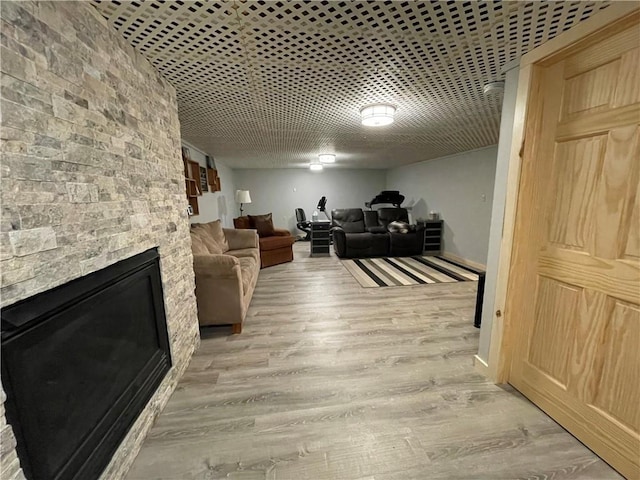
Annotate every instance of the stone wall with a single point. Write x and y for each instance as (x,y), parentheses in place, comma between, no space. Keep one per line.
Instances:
(91,174)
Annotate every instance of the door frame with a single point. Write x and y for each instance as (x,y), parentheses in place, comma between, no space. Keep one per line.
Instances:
(504,324)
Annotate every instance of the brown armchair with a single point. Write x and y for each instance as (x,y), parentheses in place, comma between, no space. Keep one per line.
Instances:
(276,244)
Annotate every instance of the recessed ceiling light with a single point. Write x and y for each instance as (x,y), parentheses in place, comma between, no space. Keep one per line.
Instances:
(327,158)
(316,167)
(377,115)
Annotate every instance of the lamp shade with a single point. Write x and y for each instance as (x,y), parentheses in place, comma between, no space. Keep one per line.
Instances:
(242,196)
(377,115)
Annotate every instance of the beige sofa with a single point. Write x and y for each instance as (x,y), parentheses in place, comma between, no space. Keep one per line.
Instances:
(226,263)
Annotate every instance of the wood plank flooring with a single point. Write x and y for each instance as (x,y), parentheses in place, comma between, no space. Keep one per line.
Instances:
(330,380)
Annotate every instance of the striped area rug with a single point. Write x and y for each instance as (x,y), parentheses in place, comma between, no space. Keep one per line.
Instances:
(402,271)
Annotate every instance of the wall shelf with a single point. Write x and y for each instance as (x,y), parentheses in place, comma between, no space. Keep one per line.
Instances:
(213,179)
(192,182)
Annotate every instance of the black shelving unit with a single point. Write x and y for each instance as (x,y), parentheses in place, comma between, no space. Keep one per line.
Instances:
(320,238)
(433,237)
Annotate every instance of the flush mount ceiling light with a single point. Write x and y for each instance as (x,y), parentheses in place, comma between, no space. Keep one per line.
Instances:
(493,87)
(316,167)
(377,115)
(327,158)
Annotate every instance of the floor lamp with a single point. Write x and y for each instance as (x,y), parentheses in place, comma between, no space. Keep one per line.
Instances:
(242,197)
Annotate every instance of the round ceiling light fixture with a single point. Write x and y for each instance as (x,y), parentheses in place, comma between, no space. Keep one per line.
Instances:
(493,88)
(316,167)
(377,114)
(327,158)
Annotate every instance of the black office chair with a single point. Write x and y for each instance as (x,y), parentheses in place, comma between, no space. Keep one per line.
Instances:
(303,224)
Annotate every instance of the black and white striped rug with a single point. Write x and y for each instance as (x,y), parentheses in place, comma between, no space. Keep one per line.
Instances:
(401,271)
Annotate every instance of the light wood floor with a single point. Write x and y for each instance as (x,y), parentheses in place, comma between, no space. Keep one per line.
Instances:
(330,380)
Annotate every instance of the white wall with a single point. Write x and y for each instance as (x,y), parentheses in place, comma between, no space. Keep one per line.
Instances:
(215,205)
(497,215)
(460,188)
(281,191)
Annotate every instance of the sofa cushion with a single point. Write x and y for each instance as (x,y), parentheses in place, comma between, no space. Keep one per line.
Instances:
(241,238)
(248,269)
(273,243)
(370,219)
(215,230)
(263,224)
(201,233)
(245,252)
(406,244)
(367,244)
(388,215)
(197,245)
(350,219)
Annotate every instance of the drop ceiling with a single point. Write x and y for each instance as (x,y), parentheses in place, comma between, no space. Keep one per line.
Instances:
(272,84)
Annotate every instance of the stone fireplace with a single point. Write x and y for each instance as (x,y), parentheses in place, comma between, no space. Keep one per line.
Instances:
(91,175)
(79,364)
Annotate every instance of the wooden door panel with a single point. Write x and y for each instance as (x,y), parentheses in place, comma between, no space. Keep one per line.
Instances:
(576,166)
(584,343)
(628,86)
(603,51)
(609,438)
(588,92)
(577,236)
(556,314)
(616,391)
(616,193)
(632,248)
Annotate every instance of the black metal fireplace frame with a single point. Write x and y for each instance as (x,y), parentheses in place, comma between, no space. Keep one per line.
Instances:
(96,450)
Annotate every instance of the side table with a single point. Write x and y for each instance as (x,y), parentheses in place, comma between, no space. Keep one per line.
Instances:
(433,237)
(320,239)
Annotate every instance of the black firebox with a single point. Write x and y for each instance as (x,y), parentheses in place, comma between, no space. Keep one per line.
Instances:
(79,364)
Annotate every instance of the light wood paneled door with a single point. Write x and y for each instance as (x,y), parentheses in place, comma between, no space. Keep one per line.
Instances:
(575,275)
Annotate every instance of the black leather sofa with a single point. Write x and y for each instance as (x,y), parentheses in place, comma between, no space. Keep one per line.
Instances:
(358,233)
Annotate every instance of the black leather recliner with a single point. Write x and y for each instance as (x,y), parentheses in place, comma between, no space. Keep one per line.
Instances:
(303,224)
(401,244)
(350,237)
(365,234)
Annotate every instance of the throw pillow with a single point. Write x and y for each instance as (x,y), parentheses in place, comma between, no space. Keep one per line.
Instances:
(263,224)
(242,222)
(398,227)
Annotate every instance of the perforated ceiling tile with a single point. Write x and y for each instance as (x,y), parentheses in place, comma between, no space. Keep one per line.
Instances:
(275,83)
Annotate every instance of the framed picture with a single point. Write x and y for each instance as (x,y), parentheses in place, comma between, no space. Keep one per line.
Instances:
(210,162)
(204,185)
(186,154)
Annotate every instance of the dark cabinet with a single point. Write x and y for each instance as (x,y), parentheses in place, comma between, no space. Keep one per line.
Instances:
(432,237)
(320,238)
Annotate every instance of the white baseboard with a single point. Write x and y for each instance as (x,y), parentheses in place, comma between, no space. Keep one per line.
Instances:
(481,366)
(464,261)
